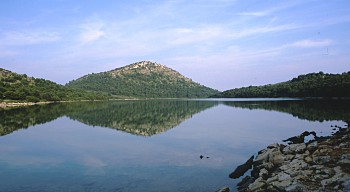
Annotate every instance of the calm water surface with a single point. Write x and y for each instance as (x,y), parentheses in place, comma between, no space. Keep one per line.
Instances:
(151,145)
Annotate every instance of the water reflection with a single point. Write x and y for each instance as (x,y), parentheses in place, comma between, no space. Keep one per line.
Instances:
(150,117)
(67,153)
(13,119)
(145,118)
(312,110)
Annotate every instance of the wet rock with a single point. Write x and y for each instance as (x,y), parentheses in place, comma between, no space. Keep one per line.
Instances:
(240,170)
(224,189)
(300,138)
(243,185)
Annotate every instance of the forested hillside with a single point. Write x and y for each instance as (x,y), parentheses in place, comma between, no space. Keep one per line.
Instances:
(17,87)
(145,80)
(309,85)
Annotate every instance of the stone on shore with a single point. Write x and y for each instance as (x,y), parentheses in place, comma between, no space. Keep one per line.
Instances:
(322,164)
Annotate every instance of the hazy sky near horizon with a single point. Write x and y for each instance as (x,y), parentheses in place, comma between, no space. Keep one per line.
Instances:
(223,44)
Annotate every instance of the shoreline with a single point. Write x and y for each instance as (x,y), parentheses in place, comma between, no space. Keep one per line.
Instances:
(321,164)
(21,104)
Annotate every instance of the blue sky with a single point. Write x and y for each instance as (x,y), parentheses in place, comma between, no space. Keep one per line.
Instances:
(223,44)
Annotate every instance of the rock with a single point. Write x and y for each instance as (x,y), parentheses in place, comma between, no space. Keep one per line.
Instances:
(240,170)
(263,157)
(288,157)
(294,148)
(300,138)
(282,184)
(243,185)
(319,165)
(283,176)
(295,187)
(224,189)
(257,184)
(272,179)
(276,157)
(273,145)
(308,159)
(321,159)
(312,146)
(263,173)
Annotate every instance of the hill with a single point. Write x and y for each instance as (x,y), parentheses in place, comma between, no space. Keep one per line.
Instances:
(309,85)
(143,79)
(17,87)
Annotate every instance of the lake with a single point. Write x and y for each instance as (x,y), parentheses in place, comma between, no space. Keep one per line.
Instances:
(149,145)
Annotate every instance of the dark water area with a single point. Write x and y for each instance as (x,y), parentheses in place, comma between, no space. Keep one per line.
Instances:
(149,145)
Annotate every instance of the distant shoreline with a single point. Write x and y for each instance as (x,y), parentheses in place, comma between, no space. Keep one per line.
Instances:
(9,104)
(20,104)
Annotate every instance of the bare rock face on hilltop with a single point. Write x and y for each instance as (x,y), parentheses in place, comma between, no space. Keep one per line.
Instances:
(143,79)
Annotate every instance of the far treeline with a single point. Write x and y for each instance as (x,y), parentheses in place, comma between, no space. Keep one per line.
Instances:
(17,87)
(309,85)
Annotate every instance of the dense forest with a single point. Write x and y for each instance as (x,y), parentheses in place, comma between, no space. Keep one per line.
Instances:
(309,85)
(17,87)
(144,80)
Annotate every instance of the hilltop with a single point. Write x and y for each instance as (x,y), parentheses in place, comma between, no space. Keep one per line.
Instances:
(18,87)
(143,79)
(309,85)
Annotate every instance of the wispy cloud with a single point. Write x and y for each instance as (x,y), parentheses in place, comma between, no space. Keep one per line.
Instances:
(309,43)
(270,10)
(256,13)
(91,31)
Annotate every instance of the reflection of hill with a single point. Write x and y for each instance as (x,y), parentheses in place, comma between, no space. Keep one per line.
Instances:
(155,116)
(313,110)
(23,117)
(138,117)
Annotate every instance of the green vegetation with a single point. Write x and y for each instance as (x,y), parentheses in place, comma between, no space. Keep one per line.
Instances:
(16,87)
(144,80)
(310,85)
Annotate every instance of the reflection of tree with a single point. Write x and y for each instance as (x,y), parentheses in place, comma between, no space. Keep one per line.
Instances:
(136,117)
(312,110)
(155,116)
(24,117)
(139,117)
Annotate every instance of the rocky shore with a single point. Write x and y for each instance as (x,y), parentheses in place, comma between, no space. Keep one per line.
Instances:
(321,164)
